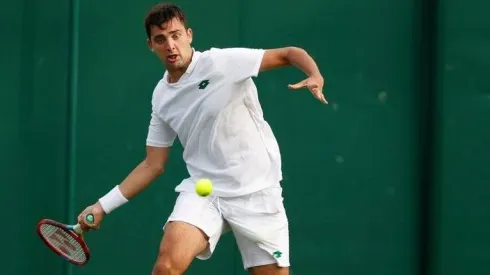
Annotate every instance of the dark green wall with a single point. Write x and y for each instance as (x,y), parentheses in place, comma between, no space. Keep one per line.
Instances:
(33,141)
(390,178)
(462,190)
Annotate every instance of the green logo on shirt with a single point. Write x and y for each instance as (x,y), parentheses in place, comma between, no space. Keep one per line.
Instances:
(277,254)
(203,84)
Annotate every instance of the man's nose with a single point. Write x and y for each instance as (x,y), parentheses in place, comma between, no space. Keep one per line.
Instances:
(170,45)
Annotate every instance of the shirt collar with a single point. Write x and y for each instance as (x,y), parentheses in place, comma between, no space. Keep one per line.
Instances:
(195,58)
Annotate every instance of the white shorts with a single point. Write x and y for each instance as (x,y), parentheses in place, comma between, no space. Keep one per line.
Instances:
(258,221)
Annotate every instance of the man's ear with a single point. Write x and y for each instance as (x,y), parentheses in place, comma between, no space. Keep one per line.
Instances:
(189,34)
(150,45)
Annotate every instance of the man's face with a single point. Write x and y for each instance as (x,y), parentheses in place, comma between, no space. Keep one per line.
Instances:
(171,43)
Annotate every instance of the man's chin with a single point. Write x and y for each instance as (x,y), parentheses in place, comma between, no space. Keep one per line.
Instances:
(172,65)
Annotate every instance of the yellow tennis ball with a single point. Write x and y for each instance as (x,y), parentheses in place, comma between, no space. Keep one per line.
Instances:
(204,187)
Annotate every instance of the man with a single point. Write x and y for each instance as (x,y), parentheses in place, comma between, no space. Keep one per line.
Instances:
(209,101)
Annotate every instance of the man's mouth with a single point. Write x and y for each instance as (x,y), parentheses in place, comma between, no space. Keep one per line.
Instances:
(172,58)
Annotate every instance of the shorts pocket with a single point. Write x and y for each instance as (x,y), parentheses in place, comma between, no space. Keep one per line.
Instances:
(272,200)
(267,201)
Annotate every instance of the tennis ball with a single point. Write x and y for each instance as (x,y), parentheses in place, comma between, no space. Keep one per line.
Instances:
(204,187)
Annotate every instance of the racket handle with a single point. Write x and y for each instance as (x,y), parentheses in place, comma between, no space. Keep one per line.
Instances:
(89,218)
(77,228)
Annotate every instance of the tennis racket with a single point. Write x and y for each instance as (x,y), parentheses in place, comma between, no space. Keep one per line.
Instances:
(65,240)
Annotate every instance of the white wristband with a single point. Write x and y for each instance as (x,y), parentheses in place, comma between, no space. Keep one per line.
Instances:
(112,200)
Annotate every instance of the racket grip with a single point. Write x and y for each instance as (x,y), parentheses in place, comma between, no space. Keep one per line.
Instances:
(77,228)
(89,218)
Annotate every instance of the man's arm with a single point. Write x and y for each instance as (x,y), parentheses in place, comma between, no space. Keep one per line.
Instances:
(281,57)
(146,172)
(140,178)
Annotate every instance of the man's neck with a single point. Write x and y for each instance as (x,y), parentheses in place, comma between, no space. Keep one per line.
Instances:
(174,76)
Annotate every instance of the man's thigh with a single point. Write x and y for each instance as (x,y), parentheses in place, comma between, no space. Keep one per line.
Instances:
(271,269)
(192,230)
(201,213)
(180,244)
(260,225)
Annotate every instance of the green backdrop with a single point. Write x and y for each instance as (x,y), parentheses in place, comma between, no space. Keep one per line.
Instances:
(461,243)
(390,178)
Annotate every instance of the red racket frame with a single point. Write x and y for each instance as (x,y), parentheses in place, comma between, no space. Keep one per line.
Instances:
(68,229)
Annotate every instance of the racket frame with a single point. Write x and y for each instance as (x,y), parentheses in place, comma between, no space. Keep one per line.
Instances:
(74,231)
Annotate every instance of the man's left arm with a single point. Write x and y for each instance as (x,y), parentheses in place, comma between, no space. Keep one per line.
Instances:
(281,57)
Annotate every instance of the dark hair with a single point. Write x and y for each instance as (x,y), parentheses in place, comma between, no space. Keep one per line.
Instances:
(162,13)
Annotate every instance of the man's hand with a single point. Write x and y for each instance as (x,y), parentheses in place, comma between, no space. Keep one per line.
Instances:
(98,213)
(314,83)
(280,57)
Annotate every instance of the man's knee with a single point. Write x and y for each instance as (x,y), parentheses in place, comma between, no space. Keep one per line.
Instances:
(180,244)
(270,269)
(166,266)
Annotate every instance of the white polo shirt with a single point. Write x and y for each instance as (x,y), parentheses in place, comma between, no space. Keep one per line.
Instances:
(215,112)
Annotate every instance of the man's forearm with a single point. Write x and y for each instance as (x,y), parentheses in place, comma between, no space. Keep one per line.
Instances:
(140,178)
(302,60)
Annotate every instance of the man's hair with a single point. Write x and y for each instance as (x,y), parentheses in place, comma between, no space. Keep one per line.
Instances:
(162,13)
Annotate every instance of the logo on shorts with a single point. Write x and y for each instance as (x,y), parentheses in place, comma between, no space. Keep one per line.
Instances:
(277,254)
(203,84)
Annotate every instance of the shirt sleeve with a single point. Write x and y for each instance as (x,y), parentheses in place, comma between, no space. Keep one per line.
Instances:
(160,134)
(238,63)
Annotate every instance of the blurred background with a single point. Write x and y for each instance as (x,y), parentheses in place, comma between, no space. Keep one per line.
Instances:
(391,178)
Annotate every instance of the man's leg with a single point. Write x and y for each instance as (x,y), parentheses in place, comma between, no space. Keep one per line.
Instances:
(192,230)
(271,269)
(181,243)
(260,226)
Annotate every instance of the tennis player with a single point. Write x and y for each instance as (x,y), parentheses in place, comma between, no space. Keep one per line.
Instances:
(209,101)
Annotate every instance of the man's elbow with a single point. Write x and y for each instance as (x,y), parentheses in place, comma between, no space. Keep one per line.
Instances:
(295,48)
(293,51)
(156,168)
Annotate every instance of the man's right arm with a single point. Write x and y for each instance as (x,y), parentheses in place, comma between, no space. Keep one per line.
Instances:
(141,177)
(158,142)
(146,172)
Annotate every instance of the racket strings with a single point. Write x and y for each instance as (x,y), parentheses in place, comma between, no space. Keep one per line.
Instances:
(63,242)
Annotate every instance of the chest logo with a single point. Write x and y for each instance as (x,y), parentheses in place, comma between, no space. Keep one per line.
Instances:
(203,84)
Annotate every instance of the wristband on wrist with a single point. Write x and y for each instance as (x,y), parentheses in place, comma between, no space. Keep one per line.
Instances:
(112,200)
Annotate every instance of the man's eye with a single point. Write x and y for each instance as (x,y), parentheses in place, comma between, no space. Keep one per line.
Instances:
(176,36)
